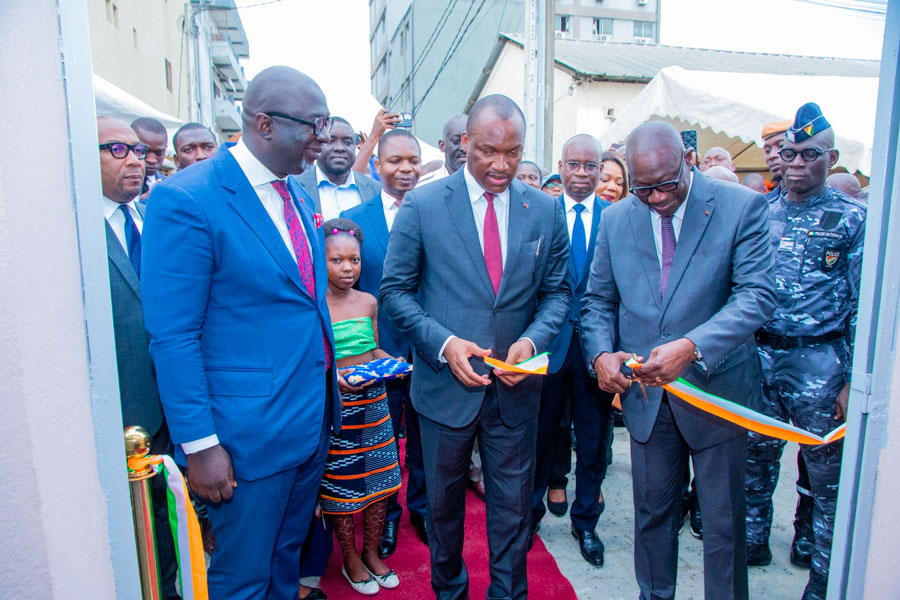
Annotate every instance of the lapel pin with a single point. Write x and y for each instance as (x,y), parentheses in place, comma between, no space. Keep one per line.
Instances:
(707,213)
(525,205)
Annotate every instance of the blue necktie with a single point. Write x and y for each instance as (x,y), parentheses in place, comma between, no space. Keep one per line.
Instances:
(132,240)
(579,242)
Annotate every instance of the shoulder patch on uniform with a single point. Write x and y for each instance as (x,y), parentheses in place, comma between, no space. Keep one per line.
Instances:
(830,219)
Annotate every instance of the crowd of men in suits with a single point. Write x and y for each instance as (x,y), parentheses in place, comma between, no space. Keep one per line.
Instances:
(225,349)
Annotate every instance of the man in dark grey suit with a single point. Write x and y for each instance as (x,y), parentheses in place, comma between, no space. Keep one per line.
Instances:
(123,176)
(477,264)
(332,183)
(683,268)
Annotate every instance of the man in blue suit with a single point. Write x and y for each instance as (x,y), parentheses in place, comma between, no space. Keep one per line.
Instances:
(682,275)
(476,265)
(568,376)
(233,283)
(399,163)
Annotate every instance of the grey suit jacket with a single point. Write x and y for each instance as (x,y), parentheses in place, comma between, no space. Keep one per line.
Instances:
(368,187)
(434,251)
(721,289)
(137,378)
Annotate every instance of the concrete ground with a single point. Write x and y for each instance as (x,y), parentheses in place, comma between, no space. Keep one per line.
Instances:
(615,580)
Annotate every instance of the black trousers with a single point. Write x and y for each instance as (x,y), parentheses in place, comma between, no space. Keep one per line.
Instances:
(657,469)
(507,458)
(400,405)
(591,414)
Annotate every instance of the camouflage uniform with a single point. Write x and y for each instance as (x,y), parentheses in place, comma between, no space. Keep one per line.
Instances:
(819,244)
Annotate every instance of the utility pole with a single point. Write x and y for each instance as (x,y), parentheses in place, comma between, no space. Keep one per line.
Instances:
(539,61)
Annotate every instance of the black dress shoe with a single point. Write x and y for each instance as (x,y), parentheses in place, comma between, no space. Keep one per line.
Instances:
(759,555)
(418,523)
(315,594)
(388,543)
(534,530)
(478,488)
(558,509)
(591,546)
(696,523)
(803,545)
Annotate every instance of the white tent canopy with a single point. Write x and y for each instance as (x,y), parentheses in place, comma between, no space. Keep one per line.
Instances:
(112,101)
(737,105)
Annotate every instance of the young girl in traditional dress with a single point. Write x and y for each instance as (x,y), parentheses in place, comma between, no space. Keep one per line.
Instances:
(362,468)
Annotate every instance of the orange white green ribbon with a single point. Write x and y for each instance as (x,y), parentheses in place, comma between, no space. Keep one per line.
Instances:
(743,416)
(185,532)
(533,366)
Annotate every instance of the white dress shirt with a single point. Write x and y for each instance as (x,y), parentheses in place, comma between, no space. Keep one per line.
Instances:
(116,219)
(390,209)
(433,176)
(677,218)
(586,217)
(335,199)
(261,179)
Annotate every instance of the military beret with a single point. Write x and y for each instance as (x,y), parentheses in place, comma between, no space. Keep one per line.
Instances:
(774,128)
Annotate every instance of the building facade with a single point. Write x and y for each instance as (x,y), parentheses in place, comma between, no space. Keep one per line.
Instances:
(427,55)
(182,58)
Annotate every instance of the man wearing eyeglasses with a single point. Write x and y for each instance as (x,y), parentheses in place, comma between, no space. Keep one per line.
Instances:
(807,347)
(682,273)
(234,287)
(122,174)
(568,378)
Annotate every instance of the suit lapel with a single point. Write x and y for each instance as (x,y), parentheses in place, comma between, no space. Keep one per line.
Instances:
(697,214)
(119,259)
(378,226)
(460,208)
(645,247)
(515,225)
(248,206)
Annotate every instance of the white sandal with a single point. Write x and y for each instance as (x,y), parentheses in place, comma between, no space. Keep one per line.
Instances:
(388,581)
(369,587)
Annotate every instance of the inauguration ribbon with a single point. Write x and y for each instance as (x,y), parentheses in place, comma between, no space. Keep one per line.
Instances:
(184,525)
(741,415)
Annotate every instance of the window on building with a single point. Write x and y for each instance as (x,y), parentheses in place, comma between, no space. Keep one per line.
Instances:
(643,29)
(603,26)
(563,22)
(168,75)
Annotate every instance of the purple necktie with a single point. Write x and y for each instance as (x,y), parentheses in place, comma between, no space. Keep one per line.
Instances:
(493,255)
(668,252)
(301,250)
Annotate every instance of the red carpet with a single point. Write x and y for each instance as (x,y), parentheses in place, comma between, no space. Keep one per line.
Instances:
(411,561)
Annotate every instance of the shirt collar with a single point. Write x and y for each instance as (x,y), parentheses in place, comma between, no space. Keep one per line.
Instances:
(322,179)
(587,203)
(255,172)
(111,206)
(387,201)
(476,190)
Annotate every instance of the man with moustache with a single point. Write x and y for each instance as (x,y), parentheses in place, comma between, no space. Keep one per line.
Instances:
(806,350)
(451,145)
(233,282)
(153,134)
(476,265)
(332,184)
(122,173)
(399,162)
(568,378)
(682,275)
(193,142)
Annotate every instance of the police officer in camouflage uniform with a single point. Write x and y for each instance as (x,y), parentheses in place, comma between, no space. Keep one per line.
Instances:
(806,348)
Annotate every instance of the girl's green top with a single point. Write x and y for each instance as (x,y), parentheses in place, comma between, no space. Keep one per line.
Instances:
(353,336)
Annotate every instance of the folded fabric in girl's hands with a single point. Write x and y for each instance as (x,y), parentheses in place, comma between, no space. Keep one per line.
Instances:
(380,369)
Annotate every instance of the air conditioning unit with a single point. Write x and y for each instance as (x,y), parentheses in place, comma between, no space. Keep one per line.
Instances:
(602,38)
(642,40)
(562,35)
(611,113)
(642,2)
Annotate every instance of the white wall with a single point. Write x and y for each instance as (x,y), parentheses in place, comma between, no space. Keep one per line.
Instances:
(65,518)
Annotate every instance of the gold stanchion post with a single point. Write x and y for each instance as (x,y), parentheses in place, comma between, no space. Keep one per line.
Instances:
(137,445)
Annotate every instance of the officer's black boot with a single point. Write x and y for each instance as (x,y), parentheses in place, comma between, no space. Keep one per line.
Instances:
(803,546)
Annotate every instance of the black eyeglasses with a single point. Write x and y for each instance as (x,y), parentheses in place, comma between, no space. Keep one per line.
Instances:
(121,150)
(590,168)
(320,125)
(808,155)
(665,187)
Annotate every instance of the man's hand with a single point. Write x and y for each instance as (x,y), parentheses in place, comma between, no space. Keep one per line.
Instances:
(457,353)
(384,121)
(608,367)
(840,403)
(521,350)
(666,362)
(210,474)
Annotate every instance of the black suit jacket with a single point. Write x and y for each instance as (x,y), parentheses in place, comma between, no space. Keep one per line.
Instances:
(137,379)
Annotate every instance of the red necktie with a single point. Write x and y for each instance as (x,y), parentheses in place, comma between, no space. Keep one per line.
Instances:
(493,255)
(301,250)
(397,202)
(668,252)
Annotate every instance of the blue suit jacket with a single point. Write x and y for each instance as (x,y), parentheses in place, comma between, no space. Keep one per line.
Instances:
(578,283)
(236,338)
(370,218)
(436,284)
